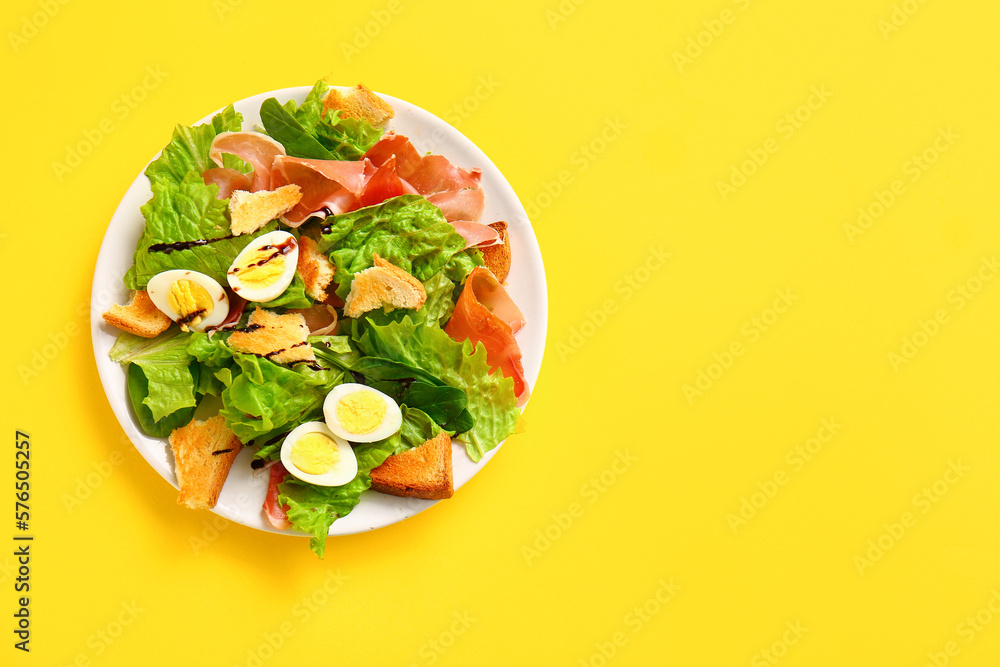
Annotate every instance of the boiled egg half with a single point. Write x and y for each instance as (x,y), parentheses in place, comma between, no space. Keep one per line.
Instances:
(315,455)
(265,267)
(358,413)
(193,300)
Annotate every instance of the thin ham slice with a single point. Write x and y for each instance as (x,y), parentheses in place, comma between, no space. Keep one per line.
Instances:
(327,185)
(384,184)
(276,514)
(407,157)
(228,180)
(466,204)
(253,147)
(486,314)
(454,190)
(476,233)
(436,174)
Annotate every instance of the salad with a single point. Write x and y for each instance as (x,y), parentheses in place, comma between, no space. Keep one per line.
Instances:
(315,262)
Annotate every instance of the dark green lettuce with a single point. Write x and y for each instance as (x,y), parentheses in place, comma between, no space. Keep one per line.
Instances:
(138,393)
(491,400)
(164,361)
(306,132)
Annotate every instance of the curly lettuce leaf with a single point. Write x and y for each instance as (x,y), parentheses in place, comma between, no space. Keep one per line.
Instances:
(294,296)
(407,231)
(313,509)
(188,149)
(138,391)
(491,400)
(165,365)
(266,398)
(187,213)
(306,132)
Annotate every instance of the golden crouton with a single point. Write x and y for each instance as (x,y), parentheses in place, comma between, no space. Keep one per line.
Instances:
(383,285)
(139,316)
(249,211)
(359,102)
(280,338)
(422,472)
(315,268)
(203,454)
(497,257)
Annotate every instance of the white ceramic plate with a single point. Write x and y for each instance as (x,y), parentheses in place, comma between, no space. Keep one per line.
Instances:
(243,493)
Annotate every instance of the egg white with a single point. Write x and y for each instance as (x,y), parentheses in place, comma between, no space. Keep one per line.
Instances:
(280,283)
(390,423)
(343,471)
(158,289)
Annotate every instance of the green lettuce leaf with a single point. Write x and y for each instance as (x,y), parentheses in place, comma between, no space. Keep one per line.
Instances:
(266,398)
(212,352)
(188,212)
(313,509)
(306,132)
(417,428)
(407,231)
(138,391)
(440,302)
(491,400)
(165,364)
(188,149)
(415,388)
(294,296)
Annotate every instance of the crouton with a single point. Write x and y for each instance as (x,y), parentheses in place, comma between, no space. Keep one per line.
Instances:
(497,257)
(315,268)
(249,211)
(422,472)
(359,102)
(139,316)
(204,452)
(280,338)
(383,285)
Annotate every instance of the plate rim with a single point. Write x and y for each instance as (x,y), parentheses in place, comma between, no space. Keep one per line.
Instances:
(111,374)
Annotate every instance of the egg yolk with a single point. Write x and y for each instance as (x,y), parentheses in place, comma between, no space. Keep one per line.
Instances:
(314,453)
(190,301)
(261,267)
(361,412)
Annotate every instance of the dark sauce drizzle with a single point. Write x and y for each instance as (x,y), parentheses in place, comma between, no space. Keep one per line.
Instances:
(279,250)
(185,245)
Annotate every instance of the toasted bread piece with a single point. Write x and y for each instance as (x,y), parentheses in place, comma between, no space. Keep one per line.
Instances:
(497,257)
(421,472)
(383,285)
(315,268)
(280,338)
(359,102)
(249,211)
(203,454)
(139,316)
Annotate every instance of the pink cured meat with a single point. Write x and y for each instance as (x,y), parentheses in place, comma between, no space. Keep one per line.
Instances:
(326,184)
(228,180)
(258,149)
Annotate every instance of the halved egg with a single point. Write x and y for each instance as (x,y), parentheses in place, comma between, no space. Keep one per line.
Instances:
(265,267)
(359,413)
(193,300)
(315,455)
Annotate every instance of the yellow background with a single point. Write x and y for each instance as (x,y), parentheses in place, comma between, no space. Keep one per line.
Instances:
(618,146)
